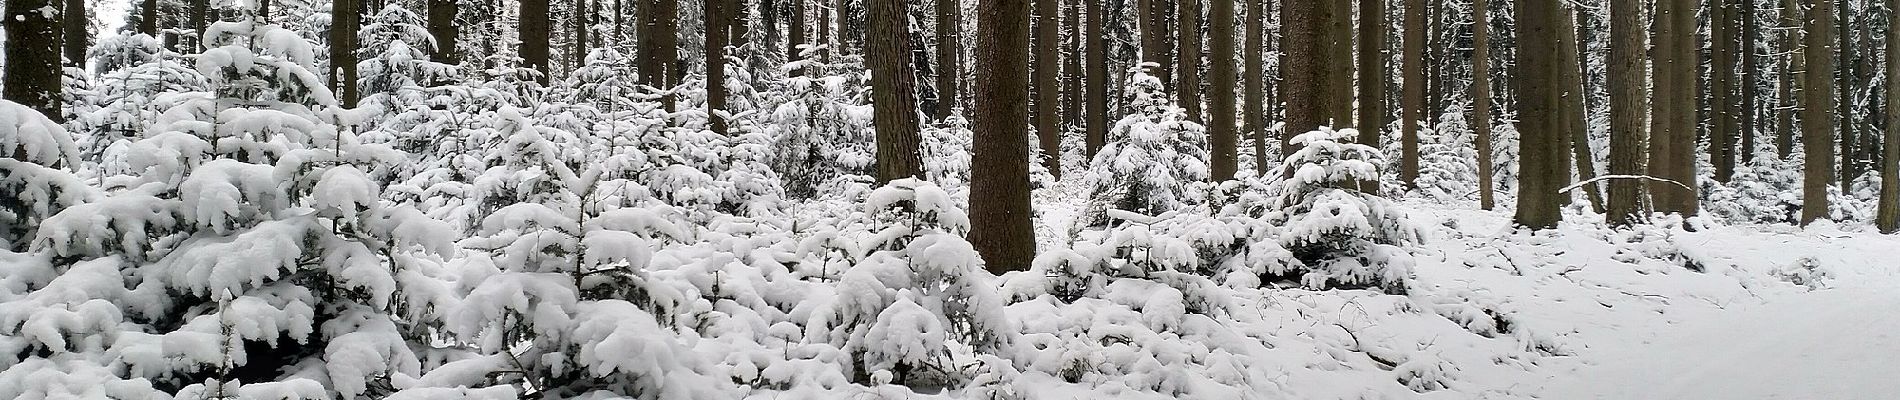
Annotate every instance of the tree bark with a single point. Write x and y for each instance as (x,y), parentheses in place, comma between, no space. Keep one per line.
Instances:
(1188,30)
(1572,93)
(717,34)
(1072,64)
(1049,83)
(1541,168)
(659,39)
(1255,82)
(1000,214)
(795,23)
(1223,134)
(1096,114)
(1791,66)
(148,18)
(196,21)
(534,34)
(1414,87)
(1154,39)
(1817,125)
(1628,104)
(1887,216)
(344,20)
(1372,79)
(33,74)
(893,92)
(1302,76)
(1751,68)
(1339,57)
(1481,99)
(75,39)
(1722,88)
(443,28)
(1672,151)
(949,47)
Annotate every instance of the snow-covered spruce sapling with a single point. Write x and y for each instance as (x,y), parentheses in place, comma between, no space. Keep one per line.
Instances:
(898,309)
(1344,237)
(35,153)
(1155,161)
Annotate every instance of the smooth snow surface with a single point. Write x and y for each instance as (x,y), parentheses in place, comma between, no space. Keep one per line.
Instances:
(1829,344)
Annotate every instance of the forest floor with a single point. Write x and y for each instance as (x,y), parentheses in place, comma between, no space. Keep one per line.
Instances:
(1580,312)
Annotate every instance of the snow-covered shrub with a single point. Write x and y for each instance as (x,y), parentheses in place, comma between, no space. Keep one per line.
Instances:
(1345,237)
(1155,161)
(923,288)
(1765,190)
(394,52)
(945,152)
(35,153)
(822,127)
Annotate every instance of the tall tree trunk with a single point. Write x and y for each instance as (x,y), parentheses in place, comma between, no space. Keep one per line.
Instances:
(1672,149)
(1372,79)
(949,47)
(1481,99)
(1000,215)
(716,35)
(1188,72)
(1223,135)
(1072,64)
(795,23)
(1751,68)
(443,28)
(1096,117)
(893,92)
(1301,49)
(534,33)
(196,21)
(75,39)
(1791,66)
(1722,81)
(1847,167)
(148,18)
(577,51)
(1887,217)
(738,15)
(1817,125)
(1572,93)
(1154,39)
(659,39)
(1541,166)
(1255,87)
(1628,106)
(1414,90)
(1049,83)
(1339,56)
(33,74)
(344,21)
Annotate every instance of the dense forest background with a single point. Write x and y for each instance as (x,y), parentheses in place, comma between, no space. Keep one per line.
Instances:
(732,198)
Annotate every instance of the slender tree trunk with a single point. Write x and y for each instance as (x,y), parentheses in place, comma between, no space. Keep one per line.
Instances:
(197,19)
(1372,79)
(1887,217)
(344,20)
(1672,151)
(1541,168)
(1254,86)
(949,46)
(893,95)
(1301,71)
(1817,125)
(75,39)
(443,28)
(577,51)
(33,74)
(717,33)
(1481,99)
(1154,39)
(1791,65)
(796,24)
(1414,90)
(659,39)
(534,33)
(148,18)
(739,23)
(1049,83)
(1096,117)
(1339,75)
(1847,166)
(1000,214)
(1223,135)
(1572,93)
(1072,64)
(1188,29)
(1722,82)
(1751,92)
(1628,105)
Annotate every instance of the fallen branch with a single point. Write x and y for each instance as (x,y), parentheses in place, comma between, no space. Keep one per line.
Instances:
(1567,189)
